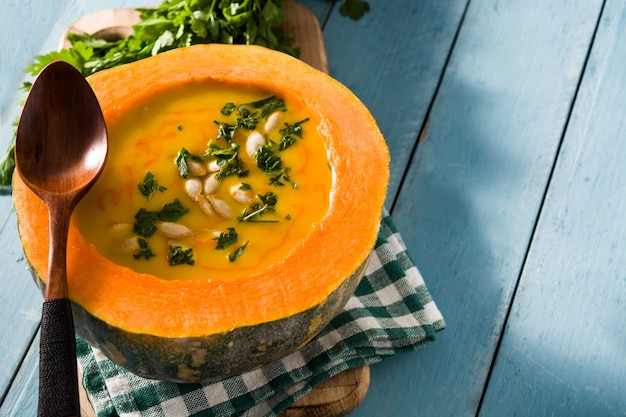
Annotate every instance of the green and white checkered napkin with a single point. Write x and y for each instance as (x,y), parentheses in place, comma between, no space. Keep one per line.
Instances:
(391,312)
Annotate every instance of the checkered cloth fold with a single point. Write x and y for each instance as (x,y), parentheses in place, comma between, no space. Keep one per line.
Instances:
(390,312)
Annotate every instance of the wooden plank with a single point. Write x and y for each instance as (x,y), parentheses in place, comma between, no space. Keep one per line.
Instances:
(21,400)
(563,349)
(470,200)
(20,300)
(392,59)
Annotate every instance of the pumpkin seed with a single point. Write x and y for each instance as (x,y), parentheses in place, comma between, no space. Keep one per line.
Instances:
(196,168)
(272,122)
(204,237)
(205,205)
(221,208)
(211,184)
(173,230)
(253,143)
(213,166)
(120,232)
(130,245)
(121,228)
(244,196)
(193,187)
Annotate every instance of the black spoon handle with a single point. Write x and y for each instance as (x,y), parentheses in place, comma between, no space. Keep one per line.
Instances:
(58,380)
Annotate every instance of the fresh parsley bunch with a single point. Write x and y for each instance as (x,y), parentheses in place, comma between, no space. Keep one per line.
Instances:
(176,24)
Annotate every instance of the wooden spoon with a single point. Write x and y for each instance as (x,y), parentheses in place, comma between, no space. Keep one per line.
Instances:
(60,150)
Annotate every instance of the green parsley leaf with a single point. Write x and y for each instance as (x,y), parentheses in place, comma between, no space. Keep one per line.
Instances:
(269,198)
(354,9)
(77,56)
(269,105)
(144,222)
(271,164)
(179,256)
(267,204)
(283,174)
(233,256)
(7,167)
(247,119)
(181,161)
(228,109)
(172,212)
(228,160)
(225,131)
(149,186)
(221,153)
(144,250)
(226,239)
(267,160)
(289,134)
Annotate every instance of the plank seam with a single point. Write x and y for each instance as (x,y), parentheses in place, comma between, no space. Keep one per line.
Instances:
(539,212)
(424,126)
(17,368)
(329,11)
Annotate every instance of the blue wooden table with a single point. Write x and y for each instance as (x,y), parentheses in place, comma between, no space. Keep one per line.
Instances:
(507,127)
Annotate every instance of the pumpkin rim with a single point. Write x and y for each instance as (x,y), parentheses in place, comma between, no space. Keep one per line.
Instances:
(263,296)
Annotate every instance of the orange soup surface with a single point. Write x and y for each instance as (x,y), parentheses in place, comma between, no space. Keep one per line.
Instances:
(208,182)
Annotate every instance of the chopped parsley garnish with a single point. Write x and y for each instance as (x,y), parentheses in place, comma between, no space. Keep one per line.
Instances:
(267,204)
(290,133)
(269,105)
(270,163)
(247,119)
(228,109)
(225,240)
(233,256)
(179,256)
(181,162)
(228,160)
(267,160)
(172,212)
(144,250)
(285,142)
(222,153)
(283,174)
(144,222)
(269,198)
(149,186)
(225,131)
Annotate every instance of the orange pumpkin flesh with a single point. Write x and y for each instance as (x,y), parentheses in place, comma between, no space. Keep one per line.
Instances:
(183,330)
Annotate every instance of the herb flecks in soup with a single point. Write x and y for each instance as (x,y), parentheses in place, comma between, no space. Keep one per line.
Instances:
(208,182)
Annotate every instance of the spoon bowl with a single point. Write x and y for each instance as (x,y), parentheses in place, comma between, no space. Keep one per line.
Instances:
(61,139)
(60,150)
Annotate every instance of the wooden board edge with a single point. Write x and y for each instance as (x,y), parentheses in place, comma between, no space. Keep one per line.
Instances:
(335,397)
